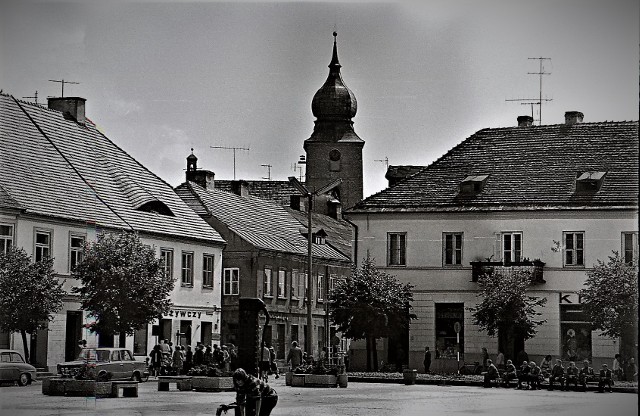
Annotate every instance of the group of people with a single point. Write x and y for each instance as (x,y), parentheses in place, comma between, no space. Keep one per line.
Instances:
(164,357)
(532,375)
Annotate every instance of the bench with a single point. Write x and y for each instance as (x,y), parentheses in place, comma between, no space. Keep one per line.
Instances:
(129,388)
(182,382)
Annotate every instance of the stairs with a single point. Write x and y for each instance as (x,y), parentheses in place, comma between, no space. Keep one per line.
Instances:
(42,373)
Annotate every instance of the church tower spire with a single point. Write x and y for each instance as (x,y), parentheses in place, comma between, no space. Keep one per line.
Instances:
(334,150)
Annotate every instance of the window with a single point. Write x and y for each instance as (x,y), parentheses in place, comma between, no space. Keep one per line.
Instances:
(282,279)
(166,255)
(574,248)
(332,283)
(6,237)
(268,283)
(397,247)
(511,247)
(303,285)
(187,268)
(207,270)
(472,185)
(452,248)
(320,289)
(43,245)
(630,247)
(76,246)
(294,284)
(231,281)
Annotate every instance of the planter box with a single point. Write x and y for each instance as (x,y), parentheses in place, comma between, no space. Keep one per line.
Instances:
(288,376)
(71,387)
(410,376)
(214,384)
(314,380)
(343,380)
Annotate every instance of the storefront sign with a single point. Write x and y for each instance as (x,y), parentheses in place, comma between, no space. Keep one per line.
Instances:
(570,298)
(184,314)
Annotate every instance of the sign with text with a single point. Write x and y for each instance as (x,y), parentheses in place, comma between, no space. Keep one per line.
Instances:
(571,298)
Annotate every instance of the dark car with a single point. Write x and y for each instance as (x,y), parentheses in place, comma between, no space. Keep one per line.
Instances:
(104,364)
(14,368)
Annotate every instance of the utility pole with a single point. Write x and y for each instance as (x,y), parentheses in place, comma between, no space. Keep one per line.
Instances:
(62,81)
(268,171)
(234,155)
(539,100)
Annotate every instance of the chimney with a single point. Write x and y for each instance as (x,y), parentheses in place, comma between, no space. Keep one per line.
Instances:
(72,108)
(240,187)
(204,178)
(525,121)
(573,117)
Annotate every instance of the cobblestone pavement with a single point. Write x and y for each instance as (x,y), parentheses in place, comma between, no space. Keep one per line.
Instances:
(358,399)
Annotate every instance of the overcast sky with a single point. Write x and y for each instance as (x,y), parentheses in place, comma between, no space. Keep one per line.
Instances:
(161,78)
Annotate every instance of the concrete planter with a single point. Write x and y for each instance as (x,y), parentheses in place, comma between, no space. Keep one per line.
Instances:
(214,384)
(314,380)
(71,387)
(288,376)
(343,380)
(410,376)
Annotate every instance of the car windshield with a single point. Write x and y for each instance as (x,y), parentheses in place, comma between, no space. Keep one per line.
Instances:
(94,355)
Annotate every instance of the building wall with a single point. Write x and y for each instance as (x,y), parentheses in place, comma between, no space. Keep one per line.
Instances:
(435,283)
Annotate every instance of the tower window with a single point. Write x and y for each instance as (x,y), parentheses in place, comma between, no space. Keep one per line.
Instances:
(334,160)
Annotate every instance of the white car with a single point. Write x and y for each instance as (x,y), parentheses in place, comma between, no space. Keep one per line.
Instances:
(14,368)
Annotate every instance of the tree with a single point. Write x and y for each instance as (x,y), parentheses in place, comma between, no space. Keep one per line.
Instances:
(30,294)
(370,304)
(610,299)
(506,310)
(123,284)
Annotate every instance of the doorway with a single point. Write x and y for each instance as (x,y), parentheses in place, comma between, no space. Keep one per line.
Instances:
(73,334)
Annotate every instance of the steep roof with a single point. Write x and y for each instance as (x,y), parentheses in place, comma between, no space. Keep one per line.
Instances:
(528,168)
(263,224)
(277,191)
(59,168)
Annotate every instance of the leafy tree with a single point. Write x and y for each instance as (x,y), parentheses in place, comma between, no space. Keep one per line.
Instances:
(370,304)
(123,284)
(30,294)
(506,310)
(610,299)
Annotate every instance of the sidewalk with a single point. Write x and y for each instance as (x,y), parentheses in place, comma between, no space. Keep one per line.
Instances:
(461,380)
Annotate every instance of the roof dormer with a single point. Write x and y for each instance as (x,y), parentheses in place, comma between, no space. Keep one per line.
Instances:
(590,181)
(473,184)
(318,235)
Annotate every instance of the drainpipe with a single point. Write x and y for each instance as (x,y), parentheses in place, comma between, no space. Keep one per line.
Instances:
(355,240)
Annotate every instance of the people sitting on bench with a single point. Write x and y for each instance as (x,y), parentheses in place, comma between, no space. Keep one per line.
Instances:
(523,374)
(573,375)
(586,374)
(510,373)
(535,376)
(605,379)
(557,374)
(491,373)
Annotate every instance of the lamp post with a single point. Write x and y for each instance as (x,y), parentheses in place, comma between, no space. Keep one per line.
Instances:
(309,195)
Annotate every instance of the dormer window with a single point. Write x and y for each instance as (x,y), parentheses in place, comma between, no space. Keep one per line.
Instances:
(318,235)
(157,207)
(473,184)
(589,181)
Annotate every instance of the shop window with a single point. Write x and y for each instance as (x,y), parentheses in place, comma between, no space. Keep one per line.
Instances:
(575,330)
(449,318)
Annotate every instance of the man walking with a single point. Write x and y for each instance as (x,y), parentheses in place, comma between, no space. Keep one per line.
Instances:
(427,360)
(295,355)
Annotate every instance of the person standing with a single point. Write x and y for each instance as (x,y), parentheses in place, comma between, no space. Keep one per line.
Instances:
(253,396)
(177,361)
(265,363)
(500,360)
(156,360)
(427,360)
(294,356)
(617,367)
(188,359)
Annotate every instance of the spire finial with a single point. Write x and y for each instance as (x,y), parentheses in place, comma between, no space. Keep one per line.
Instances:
(192,150)
(335,64)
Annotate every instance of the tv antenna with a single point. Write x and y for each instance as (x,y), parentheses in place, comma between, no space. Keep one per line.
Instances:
(539,100)
(234,155)
(296,167)
(62,81)
(385,161)
(35,97)
(268,171)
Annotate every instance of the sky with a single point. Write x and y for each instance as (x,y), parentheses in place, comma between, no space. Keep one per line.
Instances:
(163,77)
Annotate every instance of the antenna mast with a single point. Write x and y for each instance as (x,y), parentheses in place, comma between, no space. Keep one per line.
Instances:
(35,96)
(385,161)
(234,155)
(539,100)
(268,171)
(62,81)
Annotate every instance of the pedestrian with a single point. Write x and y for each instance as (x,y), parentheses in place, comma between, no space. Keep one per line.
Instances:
(272,362)
(177,360)
(188,359)
(225,358)
(617,367)
(253,396)
(207,357)
(156,360)
(198,355)
(233,357)
(491,373)
(500,360)
(485,358)
(265,365)
(294,356)
(427,360)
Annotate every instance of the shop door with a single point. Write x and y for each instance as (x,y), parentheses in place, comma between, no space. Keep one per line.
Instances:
(280,342)
(73,334)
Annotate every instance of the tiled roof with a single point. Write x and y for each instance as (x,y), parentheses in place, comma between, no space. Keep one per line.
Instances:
(278,191)
(59,168)
(6,201)
(261,223)
(528,168)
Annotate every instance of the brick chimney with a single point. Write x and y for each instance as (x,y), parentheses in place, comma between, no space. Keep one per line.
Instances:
(573,117)
(525,121)
(240,187)
(72,108)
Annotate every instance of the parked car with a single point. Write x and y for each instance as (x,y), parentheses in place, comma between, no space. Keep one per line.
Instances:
(104,364)
(14,368)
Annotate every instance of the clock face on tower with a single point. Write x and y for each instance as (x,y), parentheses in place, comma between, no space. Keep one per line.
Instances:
(334,155)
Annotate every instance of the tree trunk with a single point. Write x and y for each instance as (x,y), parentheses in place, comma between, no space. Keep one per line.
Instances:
(628,343)
(26,346)
(375,354)
(368,342)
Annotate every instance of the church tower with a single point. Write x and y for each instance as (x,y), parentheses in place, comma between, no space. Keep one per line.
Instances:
(334,150)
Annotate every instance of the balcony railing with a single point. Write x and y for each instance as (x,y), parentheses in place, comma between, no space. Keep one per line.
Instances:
(481,268)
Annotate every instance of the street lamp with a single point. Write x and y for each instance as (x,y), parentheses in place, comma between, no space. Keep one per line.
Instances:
(309,195)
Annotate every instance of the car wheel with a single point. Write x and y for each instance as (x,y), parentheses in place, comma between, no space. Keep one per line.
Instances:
(103,376)
(24,379)
(136,377)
